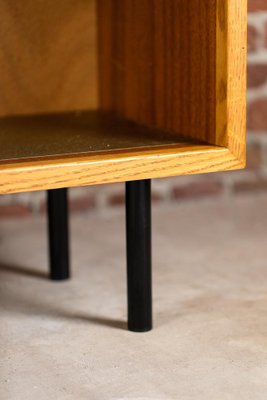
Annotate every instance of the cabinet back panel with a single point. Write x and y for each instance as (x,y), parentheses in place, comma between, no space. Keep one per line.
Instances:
(47,56)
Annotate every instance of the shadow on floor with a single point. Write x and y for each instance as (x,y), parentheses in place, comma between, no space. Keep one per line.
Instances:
(111,323)
(29,306)
(19,270)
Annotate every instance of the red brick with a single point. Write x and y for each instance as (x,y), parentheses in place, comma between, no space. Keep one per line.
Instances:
(76,204)
(257,115)
(259,185)
(257,5)
(156,197)
(196,189)
(83,203)
(254,156)
(257,75)
(116,199)
(14,210)
(43,207)
(252,38)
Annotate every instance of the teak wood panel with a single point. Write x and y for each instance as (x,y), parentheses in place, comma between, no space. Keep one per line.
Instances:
(177,64)
(231,64)
(114,167)
(48,59)
(176,108)
(158,63)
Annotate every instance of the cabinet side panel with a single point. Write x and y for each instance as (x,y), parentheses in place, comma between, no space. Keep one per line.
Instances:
(237,68)
(157,62)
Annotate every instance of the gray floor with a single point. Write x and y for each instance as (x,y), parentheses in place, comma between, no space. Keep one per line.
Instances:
(69,340)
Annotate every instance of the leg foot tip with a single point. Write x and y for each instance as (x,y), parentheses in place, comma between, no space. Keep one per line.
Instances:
(140,330)
(59,278)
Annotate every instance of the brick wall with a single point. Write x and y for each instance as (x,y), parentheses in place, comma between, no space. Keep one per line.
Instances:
(252,180)
(256,98)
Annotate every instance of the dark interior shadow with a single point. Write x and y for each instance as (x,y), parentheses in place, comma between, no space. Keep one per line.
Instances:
(20,270)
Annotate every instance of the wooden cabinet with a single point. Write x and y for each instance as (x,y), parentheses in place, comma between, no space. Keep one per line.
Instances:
(113,90)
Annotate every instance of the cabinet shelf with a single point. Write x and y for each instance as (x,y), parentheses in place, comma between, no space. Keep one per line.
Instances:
(76,133)
(90,147)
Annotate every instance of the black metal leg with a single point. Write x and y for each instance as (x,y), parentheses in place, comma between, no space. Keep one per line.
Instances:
(58,235)
(138,222)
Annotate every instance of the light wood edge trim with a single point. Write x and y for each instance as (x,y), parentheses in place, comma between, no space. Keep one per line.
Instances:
(231,59)
(101,169)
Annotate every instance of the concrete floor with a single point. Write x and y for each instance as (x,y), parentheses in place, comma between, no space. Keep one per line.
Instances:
(69,340)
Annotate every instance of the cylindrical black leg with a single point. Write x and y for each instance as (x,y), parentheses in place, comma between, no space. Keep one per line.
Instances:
(58,234)
(138,224)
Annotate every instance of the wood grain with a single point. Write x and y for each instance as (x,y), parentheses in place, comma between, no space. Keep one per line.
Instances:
(114,167)
(179,65)
(173,65)
(157,61)
(231,76)
(48,59)
(85,148)
(236,84)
